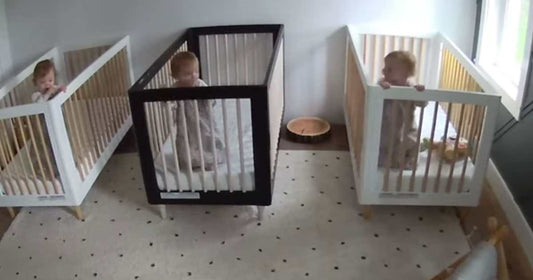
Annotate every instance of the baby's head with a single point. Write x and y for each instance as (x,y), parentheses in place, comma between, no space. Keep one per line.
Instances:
(184,68)
(44,75)
(399,66)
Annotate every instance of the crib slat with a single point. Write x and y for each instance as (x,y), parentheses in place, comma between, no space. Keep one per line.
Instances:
(31,170)
(75,138)
(217,60)
(186,141)
(200,145)
(96,115)
(445,137)
(160,139)
(111,103)
(480,121)
(469,151)
(236,57)
(245,50)
(7,181)
(119,86)
(241,144)
(18,148)
(390,145)
(254,58)
(430,150)
(404,132)
(205,68)
(7,155)
(88,124)
(213,146)
(226,140)
(47,156)
(147,112)
(173,142)
(415,164)
(37,155)
(227,59)
(457,137)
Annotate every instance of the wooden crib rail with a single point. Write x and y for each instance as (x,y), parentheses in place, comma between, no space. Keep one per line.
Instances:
(18,90)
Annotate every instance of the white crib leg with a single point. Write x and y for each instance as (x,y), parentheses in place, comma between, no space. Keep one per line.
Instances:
(260,211)
(163,211)
(11,212)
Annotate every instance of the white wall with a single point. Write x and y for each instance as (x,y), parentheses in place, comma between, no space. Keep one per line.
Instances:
(5,54)
(314,36)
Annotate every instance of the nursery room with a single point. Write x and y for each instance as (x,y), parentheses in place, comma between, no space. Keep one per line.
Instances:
(266,139)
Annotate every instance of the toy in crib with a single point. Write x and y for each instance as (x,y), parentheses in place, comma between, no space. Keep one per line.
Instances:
(447,149)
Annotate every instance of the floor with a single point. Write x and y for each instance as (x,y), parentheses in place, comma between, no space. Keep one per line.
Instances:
(313,230)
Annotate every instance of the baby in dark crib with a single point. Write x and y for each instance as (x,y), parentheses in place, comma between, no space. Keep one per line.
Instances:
(399,67)
(185,70)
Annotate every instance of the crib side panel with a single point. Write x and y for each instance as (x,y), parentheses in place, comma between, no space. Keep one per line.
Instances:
(28,166)
(424,157)
(95,109)
(235,59)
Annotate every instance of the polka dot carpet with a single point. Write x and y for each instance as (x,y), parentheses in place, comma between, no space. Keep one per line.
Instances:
(313,230)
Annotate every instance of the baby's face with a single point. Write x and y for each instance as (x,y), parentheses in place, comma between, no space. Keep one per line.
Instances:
(188,74)
(395,72)
(46,82)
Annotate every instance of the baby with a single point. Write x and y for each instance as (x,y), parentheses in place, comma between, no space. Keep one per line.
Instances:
(44,78)
(399,67)
(184,69)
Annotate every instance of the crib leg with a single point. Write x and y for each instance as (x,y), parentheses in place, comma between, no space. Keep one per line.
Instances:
(11,212)
(367,212)
(78,212)
(163,211)
(260,212)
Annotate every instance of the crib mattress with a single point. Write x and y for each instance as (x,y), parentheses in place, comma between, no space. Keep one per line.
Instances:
(433,171)
(222,180)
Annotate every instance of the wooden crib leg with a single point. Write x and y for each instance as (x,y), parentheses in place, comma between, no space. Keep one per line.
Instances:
(163,211)
(260,212)
(367,212)
(11,212)
(78,212)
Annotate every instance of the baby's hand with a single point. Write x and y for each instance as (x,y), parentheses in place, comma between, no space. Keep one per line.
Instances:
(62,88)
(420,87)
(384,84)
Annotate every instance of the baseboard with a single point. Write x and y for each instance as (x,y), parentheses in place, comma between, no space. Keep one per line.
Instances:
(517,221)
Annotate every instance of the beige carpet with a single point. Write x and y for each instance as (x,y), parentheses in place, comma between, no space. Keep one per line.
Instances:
(313,230)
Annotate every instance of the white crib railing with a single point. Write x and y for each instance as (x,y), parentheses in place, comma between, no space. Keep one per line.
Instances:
(52,152)
(461,103)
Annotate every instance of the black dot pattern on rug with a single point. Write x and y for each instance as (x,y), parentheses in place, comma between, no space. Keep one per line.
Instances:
(293,216)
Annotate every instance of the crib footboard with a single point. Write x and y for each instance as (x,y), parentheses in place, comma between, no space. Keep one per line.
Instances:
(214,144)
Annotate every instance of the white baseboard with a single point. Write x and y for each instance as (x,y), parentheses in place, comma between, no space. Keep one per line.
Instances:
(517,221)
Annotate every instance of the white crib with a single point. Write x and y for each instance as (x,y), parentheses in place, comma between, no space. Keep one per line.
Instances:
(462,103)
(51,153)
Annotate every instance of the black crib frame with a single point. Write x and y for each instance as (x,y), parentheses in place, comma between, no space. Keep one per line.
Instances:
(258,94)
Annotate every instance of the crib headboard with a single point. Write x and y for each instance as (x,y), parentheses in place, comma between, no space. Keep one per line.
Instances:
(243,67)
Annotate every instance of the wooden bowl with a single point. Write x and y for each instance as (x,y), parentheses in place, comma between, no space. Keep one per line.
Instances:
(308,130)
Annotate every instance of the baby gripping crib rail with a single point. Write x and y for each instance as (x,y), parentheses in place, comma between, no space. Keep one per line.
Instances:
(441,160)
(214,144)
(52,152)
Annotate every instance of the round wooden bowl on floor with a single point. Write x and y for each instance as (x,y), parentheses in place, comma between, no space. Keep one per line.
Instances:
(308,130)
